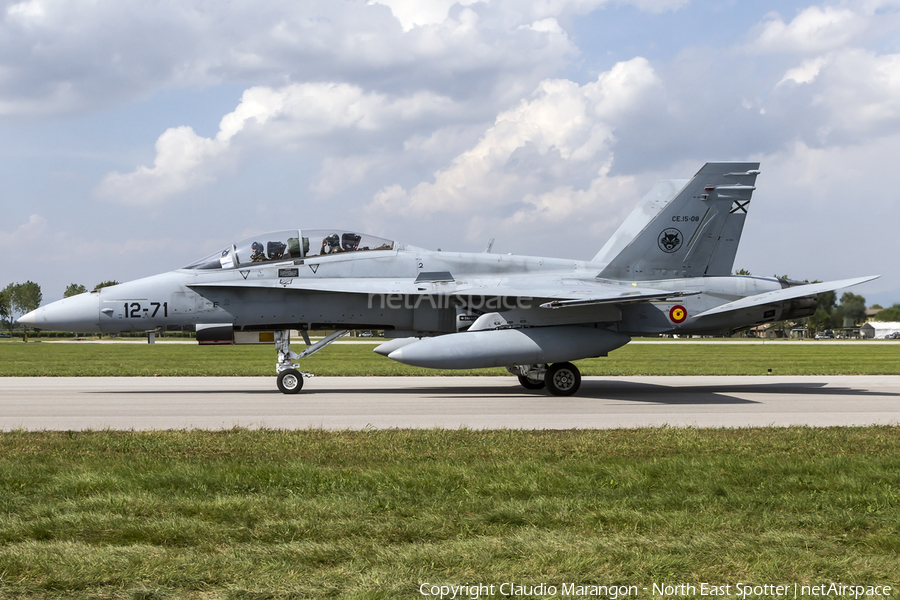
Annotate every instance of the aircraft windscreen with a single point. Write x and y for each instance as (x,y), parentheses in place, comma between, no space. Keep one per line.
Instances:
(289,245)
(216,260)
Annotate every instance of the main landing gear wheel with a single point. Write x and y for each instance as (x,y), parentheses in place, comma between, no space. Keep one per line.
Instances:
(290,381)
(530,384)
(562,379)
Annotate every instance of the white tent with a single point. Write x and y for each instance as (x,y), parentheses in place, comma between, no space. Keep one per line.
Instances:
(878,329)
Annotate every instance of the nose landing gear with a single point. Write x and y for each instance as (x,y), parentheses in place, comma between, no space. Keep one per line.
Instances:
(290,378)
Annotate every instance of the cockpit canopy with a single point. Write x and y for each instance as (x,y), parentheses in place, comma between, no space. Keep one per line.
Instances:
(290,245)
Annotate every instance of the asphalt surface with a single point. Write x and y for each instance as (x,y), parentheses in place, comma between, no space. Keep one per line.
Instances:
(80,403)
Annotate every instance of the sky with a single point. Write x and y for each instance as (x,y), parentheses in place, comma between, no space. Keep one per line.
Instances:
(136,137)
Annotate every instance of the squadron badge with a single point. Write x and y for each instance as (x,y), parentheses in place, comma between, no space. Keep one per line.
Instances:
(670,240)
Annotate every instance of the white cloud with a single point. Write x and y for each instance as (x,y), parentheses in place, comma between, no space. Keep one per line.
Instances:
(27,13)
(548,25)
(847,97)
(814,30)
(70,56)
(862,92)
(63,57)
(412,13)
(564,203)
(282,118)
(659,6)
(183,161)
(521,171)
(837,204)
(26,236)
(806,72)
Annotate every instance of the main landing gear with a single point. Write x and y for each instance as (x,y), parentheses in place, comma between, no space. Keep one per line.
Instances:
(560,379)
(290,378)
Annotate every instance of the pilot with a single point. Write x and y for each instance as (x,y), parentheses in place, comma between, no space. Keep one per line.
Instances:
(331,244)
(276,250)
(350,242)
(258,254)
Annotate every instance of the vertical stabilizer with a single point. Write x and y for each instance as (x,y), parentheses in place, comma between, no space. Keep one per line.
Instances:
(687,231)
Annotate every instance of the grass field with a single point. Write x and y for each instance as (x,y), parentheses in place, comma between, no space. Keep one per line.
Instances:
(674,358)
(375,514)
(274,514)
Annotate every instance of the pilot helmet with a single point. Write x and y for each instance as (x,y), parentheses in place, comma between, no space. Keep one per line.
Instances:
(256,247)
(333,240)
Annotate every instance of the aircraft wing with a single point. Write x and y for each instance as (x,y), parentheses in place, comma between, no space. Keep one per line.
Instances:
(785,294)
(559,294)
(566,295)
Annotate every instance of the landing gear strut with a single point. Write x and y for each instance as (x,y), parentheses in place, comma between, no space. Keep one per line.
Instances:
(290,378)
(530,376)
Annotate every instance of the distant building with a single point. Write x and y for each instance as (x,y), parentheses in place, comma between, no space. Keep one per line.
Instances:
(799,332)
(767,331)
(879,329)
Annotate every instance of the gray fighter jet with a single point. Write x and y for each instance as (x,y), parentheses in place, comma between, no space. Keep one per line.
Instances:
(667,270)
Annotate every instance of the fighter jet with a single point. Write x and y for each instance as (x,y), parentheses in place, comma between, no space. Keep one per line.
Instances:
(666,270)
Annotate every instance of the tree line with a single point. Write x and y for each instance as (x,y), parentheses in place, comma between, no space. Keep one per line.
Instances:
(17,299)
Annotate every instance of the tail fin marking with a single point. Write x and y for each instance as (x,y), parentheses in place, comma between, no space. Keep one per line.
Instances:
(691,232)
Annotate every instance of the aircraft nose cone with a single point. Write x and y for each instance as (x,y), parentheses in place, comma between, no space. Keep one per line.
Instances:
(77,313)
(28,319)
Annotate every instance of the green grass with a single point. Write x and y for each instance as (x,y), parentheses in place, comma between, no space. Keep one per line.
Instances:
(277,514)
(675,358)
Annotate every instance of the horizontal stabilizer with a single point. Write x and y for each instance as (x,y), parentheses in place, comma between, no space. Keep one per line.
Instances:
(786,294)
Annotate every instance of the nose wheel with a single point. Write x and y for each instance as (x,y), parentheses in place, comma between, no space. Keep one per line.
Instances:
(290,381)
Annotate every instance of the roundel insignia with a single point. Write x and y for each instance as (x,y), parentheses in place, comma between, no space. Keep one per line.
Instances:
(670,240)
(678,314)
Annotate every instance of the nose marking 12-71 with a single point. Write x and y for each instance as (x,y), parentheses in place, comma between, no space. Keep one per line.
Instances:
(133,310)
